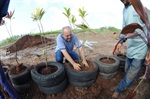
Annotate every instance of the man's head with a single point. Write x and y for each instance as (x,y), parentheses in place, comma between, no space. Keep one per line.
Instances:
(67,33)
(126,2)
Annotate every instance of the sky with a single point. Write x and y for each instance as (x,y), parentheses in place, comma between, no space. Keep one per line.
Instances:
(101,13)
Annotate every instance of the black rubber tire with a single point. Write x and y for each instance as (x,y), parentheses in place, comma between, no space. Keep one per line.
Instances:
(22,78)
(55,89)
(107,68)
(81,84)
(50,83)
(82,76)
(122,61)
(49,79)
(108,76)
(24,88)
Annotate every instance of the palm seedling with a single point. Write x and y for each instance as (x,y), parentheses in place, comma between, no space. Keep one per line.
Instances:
(67,13)
(10,17)
(37,16)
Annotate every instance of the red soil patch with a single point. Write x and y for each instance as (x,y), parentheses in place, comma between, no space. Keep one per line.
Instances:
(28,41)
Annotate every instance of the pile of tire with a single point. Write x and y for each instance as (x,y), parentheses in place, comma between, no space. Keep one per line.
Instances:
(122,58)
(52,83)
(22,81)
(107,70)
(81,79)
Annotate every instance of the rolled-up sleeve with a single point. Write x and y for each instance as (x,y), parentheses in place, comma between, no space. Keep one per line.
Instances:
(77,42)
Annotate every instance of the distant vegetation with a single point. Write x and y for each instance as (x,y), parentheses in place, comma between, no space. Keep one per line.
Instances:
(101,30)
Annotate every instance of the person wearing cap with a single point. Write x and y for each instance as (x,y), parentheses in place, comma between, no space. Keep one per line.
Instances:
(3,79)
(64,48)
(136,48)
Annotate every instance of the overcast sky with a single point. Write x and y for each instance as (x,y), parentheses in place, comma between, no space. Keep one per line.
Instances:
(101,13)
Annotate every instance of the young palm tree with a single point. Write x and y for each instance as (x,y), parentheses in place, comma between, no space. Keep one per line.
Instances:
(34,17)
(73,20)
(37,16)
(67,13)
(10,17)
(83,14)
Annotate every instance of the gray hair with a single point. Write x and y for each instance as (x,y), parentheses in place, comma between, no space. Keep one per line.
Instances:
(66,27)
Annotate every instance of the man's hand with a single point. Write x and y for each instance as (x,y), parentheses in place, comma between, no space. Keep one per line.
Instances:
(77,66)
(118,49)
(84,62)
(148,58)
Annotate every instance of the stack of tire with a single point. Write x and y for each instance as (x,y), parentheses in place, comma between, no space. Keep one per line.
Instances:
(22,81)
(122,58)
(81,79)
(52,83)
(107,70)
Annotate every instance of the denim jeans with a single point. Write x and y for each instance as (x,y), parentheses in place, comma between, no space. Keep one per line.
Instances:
(4,4)
(132,67)
(59,56)
(7,86)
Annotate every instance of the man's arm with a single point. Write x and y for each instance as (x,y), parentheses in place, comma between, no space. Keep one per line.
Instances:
(68,57)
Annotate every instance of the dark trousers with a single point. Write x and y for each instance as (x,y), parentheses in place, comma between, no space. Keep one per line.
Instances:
(59,56)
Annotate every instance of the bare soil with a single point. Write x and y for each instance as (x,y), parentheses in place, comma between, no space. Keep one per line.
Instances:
(14,71)
(101,89)
(47,70)
(28,41)
(85,68)
(107,60)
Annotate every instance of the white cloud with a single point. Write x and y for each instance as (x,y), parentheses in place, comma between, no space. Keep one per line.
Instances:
(100,13)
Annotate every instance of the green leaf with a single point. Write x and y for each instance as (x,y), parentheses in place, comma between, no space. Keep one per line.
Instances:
(67,12)
(38,14)
(43,52)
(73,19)
(82,26)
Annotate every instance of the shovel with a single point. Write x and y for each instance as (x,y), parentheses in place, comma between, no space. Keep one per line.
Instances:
(133,93)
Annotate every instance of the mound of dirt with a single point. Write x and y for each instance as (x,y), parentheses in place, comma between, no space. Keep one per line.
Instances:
(28,41)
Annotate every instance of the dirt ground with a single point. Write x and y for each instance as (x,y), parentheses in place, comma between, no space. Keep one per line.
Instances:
(101,89)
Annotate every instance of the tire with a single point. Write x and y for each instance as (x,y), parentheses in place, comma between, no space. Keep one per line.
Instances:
(122,61)
(49,79)
(107,68)
(22,78)
(81,84)
(23,88)
(55,89)
(82,76)
(50,83)
(108,76)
